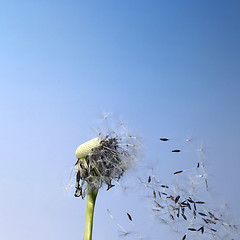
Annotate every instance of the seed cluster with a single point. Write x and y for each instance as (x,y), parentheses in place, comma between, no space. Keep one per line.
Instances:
(186,206)
(173,207)
(182,207)
(103,160)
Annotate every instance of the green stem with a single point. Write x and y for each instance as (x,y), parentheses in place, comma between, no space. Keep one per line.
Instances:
(91,198)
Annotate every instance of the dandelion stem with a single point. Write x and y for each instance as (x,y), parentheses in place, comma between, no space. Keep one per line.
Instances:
(91,198)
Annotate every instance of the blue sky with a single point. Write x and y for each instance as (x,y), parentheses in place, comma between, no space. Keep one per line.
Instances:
(168,68)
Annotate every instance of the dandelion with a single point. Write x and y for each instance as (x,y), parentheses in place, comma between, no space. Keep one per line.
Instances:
(101,161)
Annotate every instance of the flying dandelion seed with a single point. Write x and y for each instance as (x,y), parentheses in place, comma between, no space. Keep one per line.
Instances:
(164,139)
(123,231)
(176,150)
(177,172)
(129,217)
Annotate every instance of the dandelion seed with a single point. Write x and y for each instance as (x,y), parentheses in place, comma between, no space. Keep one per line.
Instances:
(177,198)
(178,172)
(122,229)
(172,198)
(176,150)
(184,237)
(185,218)
(110,186)
(212,216)
(164,139)
(202,214)
(154,194)
(129,217)
(192,229)
(194,214)
(190,200)
(158,205)
(189,206)
(149,179)
(201,229)
(208,221)
(178,214)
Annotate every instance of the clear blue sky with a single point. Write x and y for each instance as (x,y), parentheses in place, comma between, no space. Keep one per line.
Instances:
(169,68)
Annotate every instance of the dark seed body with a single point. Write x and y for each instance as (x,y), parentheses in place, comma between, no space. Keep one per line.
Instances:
(164,139)
(129,217)
(176,150)
(178,172)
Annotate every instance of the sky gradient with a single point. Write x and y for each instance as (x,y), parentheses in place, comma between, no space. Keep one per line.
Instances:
(167,68)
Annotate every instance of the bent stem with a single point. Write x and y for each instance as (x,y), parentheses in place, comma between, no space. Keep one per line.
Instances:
(91,198)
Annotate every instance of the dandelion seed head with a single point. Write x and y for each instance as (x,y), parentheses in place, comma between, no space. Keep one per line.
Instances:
(104,159)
